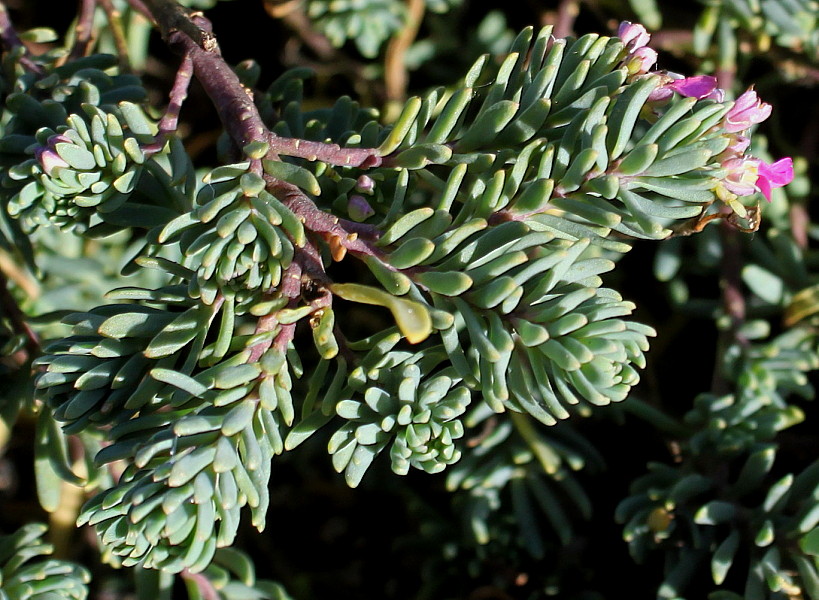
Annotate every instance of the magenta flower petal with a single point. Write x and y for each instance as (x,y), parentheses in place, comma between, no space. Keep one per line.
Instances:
(633,35)
(774,175)
(698,87)
(747,110)
(47,155)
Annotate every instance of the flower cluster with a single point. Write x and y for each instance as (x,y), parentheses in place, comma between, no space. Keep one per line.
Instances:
(639,58)
(84,171)
(744,174)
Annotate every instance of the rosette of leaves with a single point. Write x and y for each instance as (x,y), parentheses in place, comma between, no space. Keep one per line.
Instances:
(700,518)
(87,168)
(708,508)
(557,135)
(558,129)
(239,237)
(26,575)
(516,464)
(528,342)
(74,153)
(197,430)
(417,415)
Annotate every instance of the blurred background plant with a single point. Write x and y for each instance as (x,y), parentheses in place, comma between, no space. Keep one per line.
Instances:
(703,482)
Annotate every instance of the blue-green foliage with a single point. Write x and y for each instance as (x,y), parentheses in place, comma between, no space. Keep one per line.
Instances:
(483,234)
(26,575)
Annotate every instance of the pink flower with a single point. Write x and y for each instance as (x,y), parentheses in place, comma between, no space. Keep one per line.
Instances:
(699,87)
(365,184)
(48,157)
(739,144)
(742,175)
(633,35)
(747,110)
(774,175)
(641,60)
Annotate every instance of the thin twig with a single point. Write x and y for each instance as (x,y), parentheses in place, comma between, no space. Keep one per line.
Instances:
(320,222)
(171,17)
(292,14)
(330,60)
(139,6)
(291,288)
(396,77)
(115,21)
(17,318)
(332,154)
(170,119)
(84,30)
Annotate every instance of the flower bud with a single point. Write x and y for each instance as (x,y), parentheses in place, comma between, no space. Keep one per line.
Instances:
(365,184)
(358,208)
(48,157)
(748,110)
(641,60)
(633,35)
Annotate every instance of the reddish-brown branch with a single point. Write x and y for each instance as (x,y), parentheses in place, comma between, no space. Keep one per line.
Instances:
(293,15)
(567,12)
(330,153)
(203,584)
(139,6)
(190,36)
(317,221)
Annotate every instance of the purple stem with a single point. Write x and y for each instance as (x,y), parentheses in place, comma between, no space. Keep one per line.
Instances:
(191,36)
(567,12)
(318,221)
(179,92)
(329,153)
(10,40)
(83,30)
(291,288)
(140,7)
